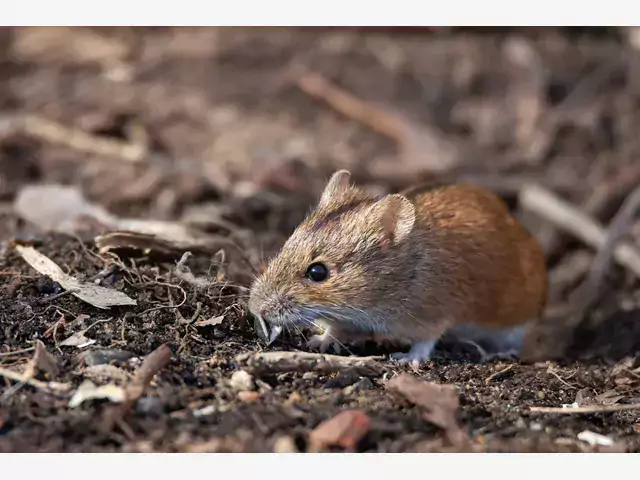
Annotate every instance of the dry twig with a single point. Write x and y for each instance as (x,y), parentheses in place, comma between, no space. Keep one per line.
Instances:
(53,387)
(618,228)
(574,221)
(76,139)
(153,363)
(587,409)
(498,374)
(278,362)
(422,148)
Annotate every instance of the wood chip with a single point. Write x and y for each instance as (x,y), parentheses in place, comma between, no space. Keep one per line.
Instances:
(279,362)
(345,430)
(100,297)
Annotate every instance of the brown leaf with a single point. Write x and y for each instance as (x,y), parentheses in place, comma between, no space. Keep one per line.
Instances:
(609,397)
(345,429)
(44,361)
(439,403)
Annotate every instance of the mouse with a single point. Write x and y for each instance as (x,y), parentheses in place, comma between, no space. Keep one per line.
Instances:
(450,262)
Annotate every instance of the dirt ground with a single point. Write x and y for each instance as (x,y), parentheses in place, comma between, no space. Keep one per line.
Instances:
(233,133)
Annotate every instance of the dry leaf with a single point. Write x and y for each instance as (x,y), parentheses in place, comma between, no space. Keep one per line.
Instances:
(210,322)
(44,361)
(58,208)
(609,397)
(65,209)
(345,429)
(89,391)
(439,403)
(100,297)
(77,340)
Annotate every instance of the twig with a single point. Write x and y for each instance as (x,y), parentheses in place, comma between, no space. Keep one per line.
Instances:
(153,363)
(588,409)
(58,295)
(17,352)
(54,387)
(278,362)
(195,315)
(574,221)
(559,378)
(76,139)
(497,374)
(421,148)
(374,117)
(618,228)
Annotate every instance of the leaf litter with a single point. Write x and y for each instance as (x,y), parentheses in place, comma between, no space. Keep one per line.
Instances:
(96,295)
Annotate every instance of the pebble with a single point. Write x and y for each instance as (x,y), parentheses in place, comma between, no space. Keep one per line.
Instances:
(284,444)
(242,381)
(247,396)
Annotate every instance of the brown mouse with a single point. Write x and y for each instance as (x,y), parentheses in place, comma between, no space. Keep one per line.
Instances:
(406,268)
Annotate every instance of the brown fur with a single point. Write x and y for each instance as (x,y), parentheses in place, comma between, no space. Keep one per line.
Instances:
(464,260)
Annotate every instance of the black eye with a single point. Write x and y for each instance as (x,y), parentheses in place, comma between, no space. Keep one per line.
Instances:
(317,272)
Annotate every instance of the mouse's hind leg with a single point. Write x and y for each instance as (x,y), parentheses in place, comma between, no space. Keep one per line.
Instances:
(492,343)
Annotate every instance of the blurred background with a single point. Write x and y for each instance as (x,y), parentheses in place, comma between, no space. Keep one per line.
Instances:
(249,122)
(234,131)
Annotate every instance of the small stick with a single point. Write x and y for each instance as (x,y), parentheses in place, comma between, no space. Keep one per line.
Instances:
(135,389)
(574,221)
(17,352)
(350,106)
(153,363)
(80,141)
(279,362)
(497,374)
(58,295)
(588,409)
(618,228)
(54,387)
(420,146)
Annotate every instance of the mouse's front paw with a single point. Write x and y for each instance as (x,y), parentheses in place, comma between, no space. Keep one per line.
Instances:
(420,353)
(323,343)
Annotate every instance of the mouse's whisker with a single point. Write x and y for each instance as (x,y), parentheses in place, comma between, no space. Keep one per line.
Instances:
(299,330)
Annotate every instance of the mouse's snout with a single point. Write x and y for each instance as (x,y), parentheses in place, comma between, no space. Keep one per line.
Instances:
(271,306)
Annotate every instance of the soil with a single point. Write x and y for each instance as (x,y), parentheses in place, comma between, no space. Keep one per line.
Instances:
(218,116)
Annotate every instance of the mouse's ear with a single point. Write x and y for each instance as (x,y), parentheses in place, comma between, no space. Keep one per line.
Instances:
(397,217)
(338,184)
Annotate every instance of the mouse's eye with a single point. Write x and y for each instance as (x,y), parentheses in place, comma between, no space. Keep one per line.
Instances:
(317,272)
